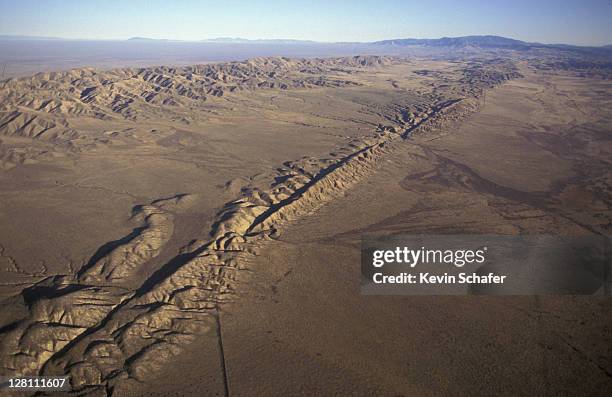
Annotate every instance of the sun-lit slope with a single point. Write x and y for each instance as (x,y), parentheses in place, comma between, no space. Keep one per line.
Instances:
(124,91)
(84,107)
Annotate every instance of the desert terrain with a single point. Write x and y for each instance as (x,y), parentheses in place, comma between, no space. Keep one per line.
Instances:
(195,230)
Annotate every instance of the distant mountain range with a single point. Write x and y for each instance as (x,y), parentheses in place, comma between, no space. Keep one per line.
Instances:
(490,42)
(485,41)
(464,41)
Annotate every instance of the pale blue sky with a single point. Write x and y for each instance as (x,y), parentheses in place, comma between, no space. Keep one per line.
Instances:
(573,22)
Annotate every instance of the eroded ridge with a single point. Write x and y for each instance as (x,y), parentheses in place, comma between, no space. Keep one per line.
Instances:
(41,106)
(63,307)
(109,332)
(64,114)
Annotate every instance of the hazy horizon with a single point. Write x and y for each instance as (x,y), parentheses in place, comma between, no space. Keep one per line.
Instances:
(236,39)
(574,22)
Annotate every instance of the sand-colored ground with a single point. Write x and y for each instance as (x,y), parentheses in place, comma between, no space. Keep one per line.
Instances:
(313,334)
(196,230)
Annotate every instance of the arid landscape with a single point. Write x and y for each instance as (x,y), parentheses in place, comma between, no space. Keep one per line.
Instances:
(195,230)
